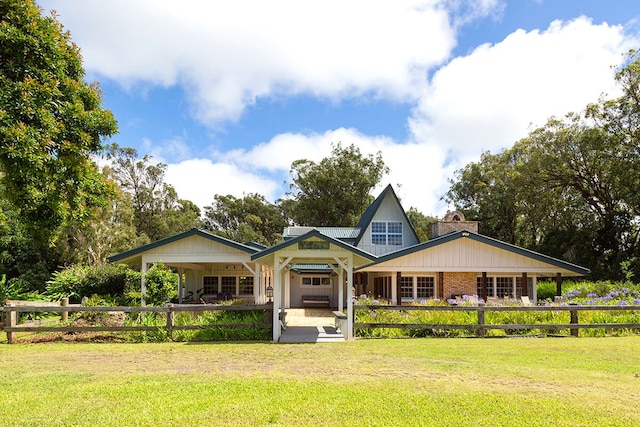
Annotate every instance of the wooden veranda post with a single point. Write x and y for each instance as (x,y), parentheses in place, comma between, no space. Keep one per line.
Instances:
(399,288)
(485,291)
(559,284)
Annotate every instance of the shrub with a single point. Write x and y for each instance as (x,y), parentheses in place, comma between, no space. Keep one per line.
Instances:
(79,281)
(161,284)
(546,291)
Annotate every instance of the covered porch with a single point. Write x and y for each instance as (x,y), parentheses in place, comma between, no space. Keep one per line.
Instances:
(314,248)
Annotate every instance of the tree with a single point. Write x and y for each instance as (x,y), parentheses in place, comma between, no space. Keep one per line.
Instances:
(334,192)
(51,122)
(421,223)
(110,229)
(157,209)
(251,218)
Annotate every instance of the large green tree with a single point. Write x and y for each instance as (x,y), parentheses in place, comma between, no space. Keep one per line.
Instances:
(570,188)
(158,210)
(335,191)
(51,122)
(248,219)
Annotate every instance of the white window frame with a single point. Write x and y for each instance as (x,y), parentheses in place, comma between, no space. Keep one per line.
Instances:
(323,281)
(382,235)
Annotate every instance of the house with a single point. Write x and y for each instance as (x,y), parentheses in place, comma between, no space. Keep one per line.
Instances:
(381,256)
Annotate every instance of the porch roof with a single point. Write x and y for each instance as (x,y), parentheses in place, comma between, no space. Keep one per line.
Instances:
(360,257)
(550,262)
(132,254)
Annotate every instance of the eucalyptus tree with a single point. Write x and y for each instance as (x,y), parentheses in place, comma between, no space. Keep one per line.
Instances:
(335,191)
(158,210)
(248,219)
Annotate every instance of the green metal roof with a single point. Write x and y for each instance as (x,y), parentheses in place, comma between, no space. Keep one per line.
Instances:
(486,240)
(193,232)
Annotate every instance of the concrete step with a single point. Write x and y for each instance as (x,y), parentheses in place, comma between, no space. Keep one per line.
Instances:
(310,334)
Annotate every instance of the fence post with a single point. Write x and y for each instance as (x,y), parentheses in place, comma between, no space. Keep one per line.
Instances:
(481,330)
(574,321)
(269,309)
(64,316)
(170,320)
(11,321)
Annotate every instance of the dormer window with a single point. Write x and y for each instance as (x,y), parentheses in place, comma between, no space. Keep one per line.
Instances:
(386,233)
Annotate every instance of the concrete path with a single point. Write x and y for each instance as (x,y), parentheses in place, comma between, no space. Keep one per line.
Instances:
(310,325)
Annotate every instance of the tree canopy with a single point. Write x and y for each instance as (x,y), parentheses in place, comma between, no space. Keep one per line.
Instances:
(51,122)
(335,191)
(570,188)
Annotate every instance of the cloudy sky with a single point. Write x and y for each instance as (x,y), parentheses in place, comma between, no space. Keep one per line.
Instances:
(230,93)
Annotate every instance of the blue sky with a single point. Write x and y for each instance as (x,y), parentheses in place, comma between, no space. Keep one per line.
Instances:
(228,94)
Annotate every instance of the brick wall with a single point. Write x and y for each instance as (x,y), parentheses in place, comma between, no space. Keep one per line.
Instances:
(459,284)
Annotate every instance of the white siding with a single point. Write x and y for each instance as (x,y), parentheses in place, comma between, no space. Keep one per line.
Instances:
(467,255)
(389,210)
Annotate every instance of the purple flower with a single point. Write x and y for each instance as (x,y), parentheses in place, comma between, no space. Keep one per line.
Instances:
(623,302)
(373,314)
(375,301)
(636,301)
(592,295)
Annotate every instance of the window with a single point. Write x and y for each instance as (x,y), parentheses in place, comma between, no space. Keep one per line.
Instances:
(316,281)
(229,284)
(209,285)
(489,287)
(426,287)
(245,285)
(386,233)
(519,286)
(504,287)
(406,287)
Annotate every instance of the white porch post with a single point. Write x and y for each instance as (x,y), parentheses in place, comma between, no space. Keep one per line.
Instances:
(341,289)
(394,289)
(349,298)
(143,285)
(276,299)
(180,271)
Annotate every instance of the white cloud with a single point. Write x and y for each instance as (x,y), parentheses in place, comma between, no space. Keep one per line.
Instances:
(199,180)
(228,54)
(489,98)
(225,55)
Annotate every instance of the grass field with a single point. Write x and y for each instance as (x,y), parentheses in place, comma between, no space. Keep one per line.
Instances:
(447,382)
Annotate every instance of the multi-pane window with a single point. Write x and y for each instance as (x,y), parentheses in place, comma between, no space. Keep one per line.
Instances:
(489,287)
(386,233)
(425,287)
(209,285)
(316,281)
(519,286)
(406,287)
(504,287)
(228,284)
(245,284)
(394,233)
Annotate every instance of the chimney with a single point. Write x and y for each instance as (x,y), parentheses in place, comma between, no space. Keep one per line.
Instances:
(453,221)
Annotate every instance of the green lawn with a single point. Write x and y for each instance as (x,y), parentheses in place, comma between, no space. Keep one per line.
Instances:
(450,382)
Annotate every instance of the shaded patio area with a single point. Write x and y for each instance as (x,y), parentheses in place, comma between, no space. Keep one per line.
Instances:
(310,325)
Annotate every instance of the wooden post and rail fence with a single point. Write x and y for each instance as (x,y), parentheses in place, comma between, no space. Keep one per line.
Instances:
(481,327)
(13,308)
(11,314)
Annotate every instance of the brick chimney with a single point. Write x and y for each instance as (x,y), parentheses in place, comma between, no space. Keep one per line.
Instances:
(453,221)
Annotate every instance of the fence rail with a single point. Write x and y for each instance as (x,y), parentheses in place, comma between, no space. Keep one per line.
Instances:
(11,311)
(482,326)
